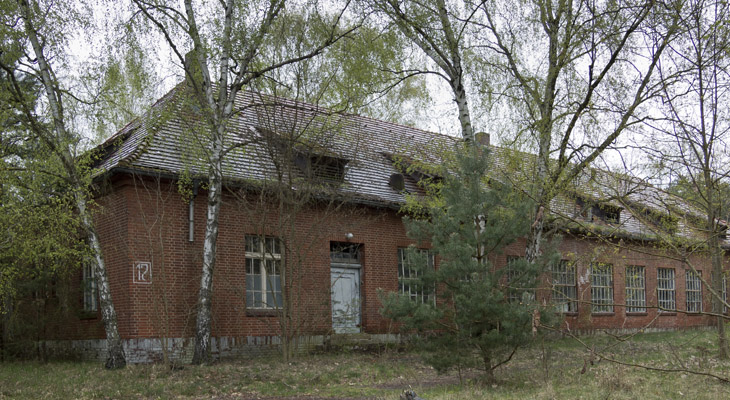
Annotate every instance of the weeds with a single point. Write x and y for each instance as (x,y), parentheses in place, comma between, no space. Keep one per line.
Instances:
(546,370)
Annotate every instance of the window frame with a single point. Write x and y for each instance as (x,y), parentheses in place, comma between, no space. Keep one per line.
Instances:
(265,255)
(693,291)
(602,296)
(404,288)
(564,278)
(670,290)
(90,290)
(514,295)
(635,279)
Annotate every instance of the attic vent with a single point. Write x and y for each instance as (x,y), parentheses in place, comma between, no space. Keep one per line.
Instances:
(397,182)
(319,167)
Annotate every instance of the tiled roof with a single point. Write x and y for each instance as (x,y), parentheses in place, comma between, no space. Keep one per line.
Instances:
(164,141)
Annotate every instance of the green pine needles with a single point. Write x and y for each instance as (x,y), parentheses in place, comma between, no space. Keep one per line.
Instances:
(479,314)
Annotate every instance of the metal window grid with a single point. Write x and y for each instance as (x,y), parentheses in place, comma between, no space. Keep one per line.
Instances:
(565,291)
(408,277)
(666,295)
(635,289)
(514,292)
(693,289)
(601,288)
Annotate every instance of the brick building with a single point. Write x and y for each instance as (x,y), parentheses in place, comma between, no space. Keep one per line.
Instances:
(337,238)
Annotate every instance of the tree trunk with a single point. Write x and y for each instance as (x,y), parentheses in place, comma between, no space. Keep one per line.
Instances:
(201,353)
(717,273)
(543,196)
(467,131)
(115,349)
(59,144)
(488,369)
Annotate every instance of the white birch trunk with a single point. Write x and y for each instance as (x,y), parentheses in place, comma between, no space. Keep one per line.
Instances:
(201,353)
(59,144)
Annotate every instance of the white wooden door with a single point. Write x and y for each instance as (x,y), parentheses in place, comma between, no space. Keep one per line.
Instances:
(345,299)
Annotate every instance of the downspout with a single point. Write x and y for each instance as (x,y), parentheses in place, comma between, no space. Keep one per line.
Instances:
(191,211)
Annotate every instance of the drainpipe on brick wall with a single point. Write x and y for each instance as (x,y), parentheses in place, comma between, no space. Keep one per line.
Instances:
(191,209)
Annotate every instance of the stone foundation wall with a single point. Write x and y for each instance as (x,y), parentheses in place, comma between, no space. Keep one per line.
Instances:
(142,351)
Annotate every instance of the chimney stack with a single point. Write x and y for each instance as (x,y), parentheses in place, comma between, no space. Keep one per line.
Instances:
(192,68)
(482,138)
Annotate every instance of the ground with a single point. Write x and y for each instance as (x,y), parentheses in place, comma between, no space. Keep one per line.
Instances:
(549,369)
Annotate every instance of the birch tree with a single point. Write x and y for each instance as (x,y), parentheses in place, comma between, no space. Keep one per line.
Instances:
(439,31)
(572,77)
(565,78)
(34,31)
(692,133)
(223,61)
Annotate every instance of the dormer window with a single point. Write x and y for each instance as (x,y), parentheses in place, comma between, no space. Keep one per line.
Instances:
(320,167)
(604,212)
(310,161)
(669,223)
(419,172)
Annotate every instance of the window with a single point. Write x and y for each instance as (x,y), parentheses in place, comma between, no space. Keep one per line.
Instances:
(605,212)
(694,291)
(345,253)
(635,289)
(408,276)
(322,168)
(663,220)
(91,295)
(601,288)
(263,272)
(517,281)
(565,292)
(665,289)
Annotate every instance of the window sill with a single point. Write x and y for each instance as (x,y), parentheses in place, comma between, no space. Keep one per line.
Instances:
(84,315)
(603,314)
(694,313)
(637,314)
(568,313)
(261,313)
(667,313)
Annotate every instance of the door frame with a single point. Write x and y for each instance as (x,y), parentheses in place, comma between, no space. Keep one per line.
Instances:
(358,268)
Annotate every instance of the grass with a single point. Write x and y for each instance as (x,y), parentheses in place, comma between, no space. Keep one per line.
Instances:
(562,370)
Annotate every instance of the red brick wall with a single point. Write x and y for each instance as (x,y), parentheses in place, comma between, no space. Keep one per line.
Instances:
(583,251)
(144,219)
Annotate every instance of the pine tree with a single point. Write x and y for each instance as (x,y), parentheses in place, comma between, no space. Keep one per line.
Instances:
(481,313)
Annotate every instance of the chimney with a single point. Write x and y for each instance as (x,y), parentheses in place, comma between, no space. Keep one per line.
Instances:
(482,138)
(192,67)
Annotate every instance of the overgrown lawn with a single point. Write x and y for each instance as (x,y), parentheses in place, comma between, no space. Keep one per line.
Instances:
(550,369)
